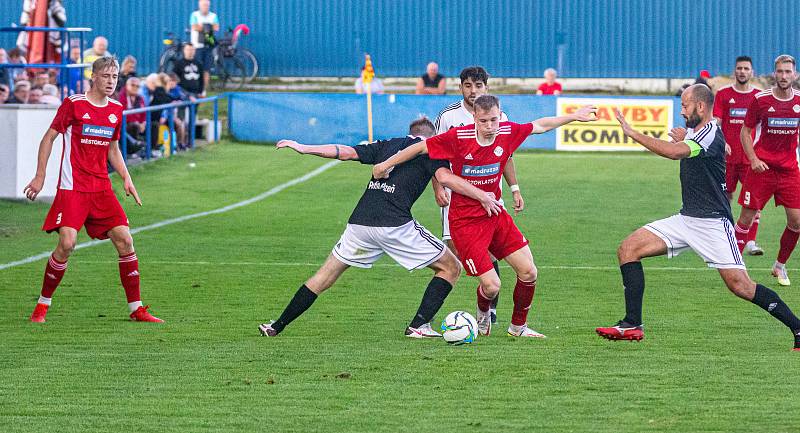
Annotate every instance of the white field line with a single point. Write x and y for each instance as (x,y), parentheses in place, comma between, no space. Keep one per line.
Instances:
(170,221)
(395,265)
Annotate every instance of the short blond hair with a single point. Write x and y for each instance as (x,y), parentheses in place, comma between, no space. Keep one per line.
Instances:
(785,58)
(104,63)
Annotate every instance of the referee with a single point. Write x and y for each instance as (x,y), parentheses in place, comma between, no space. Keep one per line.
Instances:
(382,223)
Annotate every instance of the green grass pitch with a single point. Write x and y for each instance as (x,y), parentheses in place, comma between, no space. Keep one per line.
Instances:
(710,362)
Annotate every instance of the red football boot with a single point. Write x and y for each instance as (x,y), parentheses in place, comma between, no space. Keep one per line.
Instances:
(141,315)
(39,312)
(621,331)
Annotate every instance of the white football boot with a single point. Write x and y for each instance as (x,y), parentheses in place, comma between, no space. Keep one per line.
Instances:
(484,322)
(779,272)
(424,331)
(751,248)
(523,331)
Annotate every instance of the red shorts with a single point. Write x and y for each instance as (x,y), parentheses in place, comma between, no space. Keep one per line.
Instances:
(735,173)
(98,211)
(474,239)
(759,187)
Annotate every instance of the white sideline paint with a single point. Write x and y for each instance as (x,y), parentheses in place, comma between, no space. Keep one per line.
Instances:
(249,201)
(395,265)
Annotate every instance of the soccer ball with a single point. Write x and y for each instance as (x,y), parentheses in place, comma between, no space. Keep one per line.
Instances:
(459,327)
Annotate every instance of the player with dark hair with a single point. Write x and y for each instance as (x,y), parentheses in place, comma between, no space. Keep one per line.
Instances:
(774,114)
(90,124)
(474,83)
(704,223)
(730,107)
(382,223)
(478,153)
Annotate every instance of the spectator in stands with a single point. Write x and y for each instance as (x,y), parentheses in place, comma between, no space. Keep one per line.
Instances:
(22,89)
(136,125)
(126,71)
(190,72)
(204,23)
(550,85)
(99,49)
(50,95)
(15,57)
(702,78)
(157,92)
(41,78)
(35,95)
(5,92)
(375,86)
(177,94)
(431,82)
(5,73)
(74,76)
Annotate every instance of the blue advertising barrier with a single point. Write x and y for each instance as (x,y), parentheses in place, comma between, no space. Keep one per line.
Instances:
(318,118)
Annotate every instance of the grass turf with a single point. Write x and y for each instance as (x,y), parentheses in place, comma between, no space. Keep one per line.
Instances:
(710,362)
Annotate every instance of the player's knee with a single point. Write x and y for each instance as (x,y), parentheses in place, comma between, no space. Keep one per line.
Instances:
(793,225)
(626,252)
(528,274)
(67,242)
(124,244)
(740,285)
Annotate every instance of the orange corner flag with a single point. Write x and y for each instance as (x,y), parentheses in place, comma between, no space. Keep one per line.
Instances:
(367,73)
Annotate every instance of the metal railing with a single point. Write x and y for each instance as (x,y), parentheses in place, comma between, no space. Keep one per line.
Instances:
(64,66)
(171,110)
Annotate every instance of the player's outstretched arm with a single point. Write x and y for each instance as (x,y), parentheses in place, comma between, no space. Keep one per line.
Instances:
(331,151)
(118,163)
(35,186)
(746,137)
(667,149)
(587,113)
(461,186)
(382,169)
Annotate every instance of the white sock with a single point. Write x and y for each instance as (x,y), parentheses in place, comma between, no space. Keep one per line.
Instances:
(514,328)
(779,265)
(45,301)
(133,306)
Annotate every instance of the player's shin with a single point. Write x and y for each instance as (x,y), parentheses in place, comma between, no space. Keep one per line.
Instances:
(301,302)
(788,242)
(523,296)
(493,306)
(432,301)
(754,228)
(633,281)
(742,236)
(53,273)
(484,302)
(767,299)
(129,276)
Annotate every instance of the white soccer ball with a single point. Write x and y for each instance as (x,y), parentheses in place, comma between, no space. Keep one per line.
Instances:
(459,327)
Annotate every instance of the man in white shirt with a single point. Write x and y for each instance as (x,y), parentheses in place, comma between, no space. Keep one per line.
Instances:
(204,23)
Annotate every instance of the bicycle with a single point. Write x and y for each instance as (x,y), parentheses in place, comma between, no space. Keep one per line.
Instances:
(246,56)
(229,69)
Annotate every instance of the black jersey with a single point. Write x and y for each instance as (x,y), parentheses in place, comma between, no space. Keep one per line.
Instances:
(703,174)
(387,202)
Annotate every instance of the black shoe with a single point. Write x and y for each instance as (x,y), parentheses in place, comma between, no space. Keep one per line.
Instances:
(493,315)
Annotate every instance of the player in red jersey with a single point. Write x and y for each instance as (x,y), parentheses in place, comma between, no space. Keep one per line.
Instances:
(730,107)
(774,114)
(90,124)
(478,153)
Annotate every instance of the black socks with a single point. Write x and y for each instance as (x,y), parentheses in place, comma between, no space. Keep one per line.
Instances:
(432,300)
(633,280)
(301,302)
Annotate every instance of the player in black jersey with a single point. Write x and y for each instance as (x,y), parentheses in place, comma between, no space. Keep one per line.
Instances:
(382,223)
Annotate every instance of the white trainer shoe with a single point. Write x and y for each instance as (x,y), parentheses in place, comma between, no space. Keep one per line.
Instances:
(267,330)
(424,331)
(751,248)
(779,272)
(524,331)
(484,322)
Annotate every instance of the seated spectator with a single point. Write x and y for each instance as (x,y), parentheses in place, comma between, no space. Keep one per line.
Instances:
(136,125)
(75,76)
(190,72)
(431,82)
(35,95)
(127,70)
(41,78)
(375,86)
(157,92)
(50,95)
(550,86)
(21,91)
(15,57)
(5,92)
(99,49)
(5,73)
(178,94)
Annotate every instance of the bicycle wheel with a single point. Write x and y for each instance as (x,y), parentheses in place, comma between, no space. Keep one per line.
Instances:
(231,74)
(249,61)
(168,58)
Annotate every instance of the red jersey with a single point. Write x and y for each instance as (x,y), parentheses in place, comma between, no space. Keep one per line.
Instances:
(730,105)
(88,130)
(775,122)
(479,165)
(549,89)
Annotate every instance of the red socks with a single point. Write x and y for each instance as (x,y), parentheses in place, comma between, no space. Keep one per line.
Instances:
(484,303)
(742,236)
(788,242)
(129,275)
(754,227)
(52,276)
(523,296)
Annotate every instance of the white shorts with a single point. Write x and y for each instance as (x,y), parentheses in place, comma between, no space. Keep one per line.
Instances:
(410,245)
(711,238)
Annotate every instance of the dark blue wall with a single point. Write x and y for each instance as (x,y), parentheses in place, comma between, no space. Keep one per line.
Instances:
(512,38)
